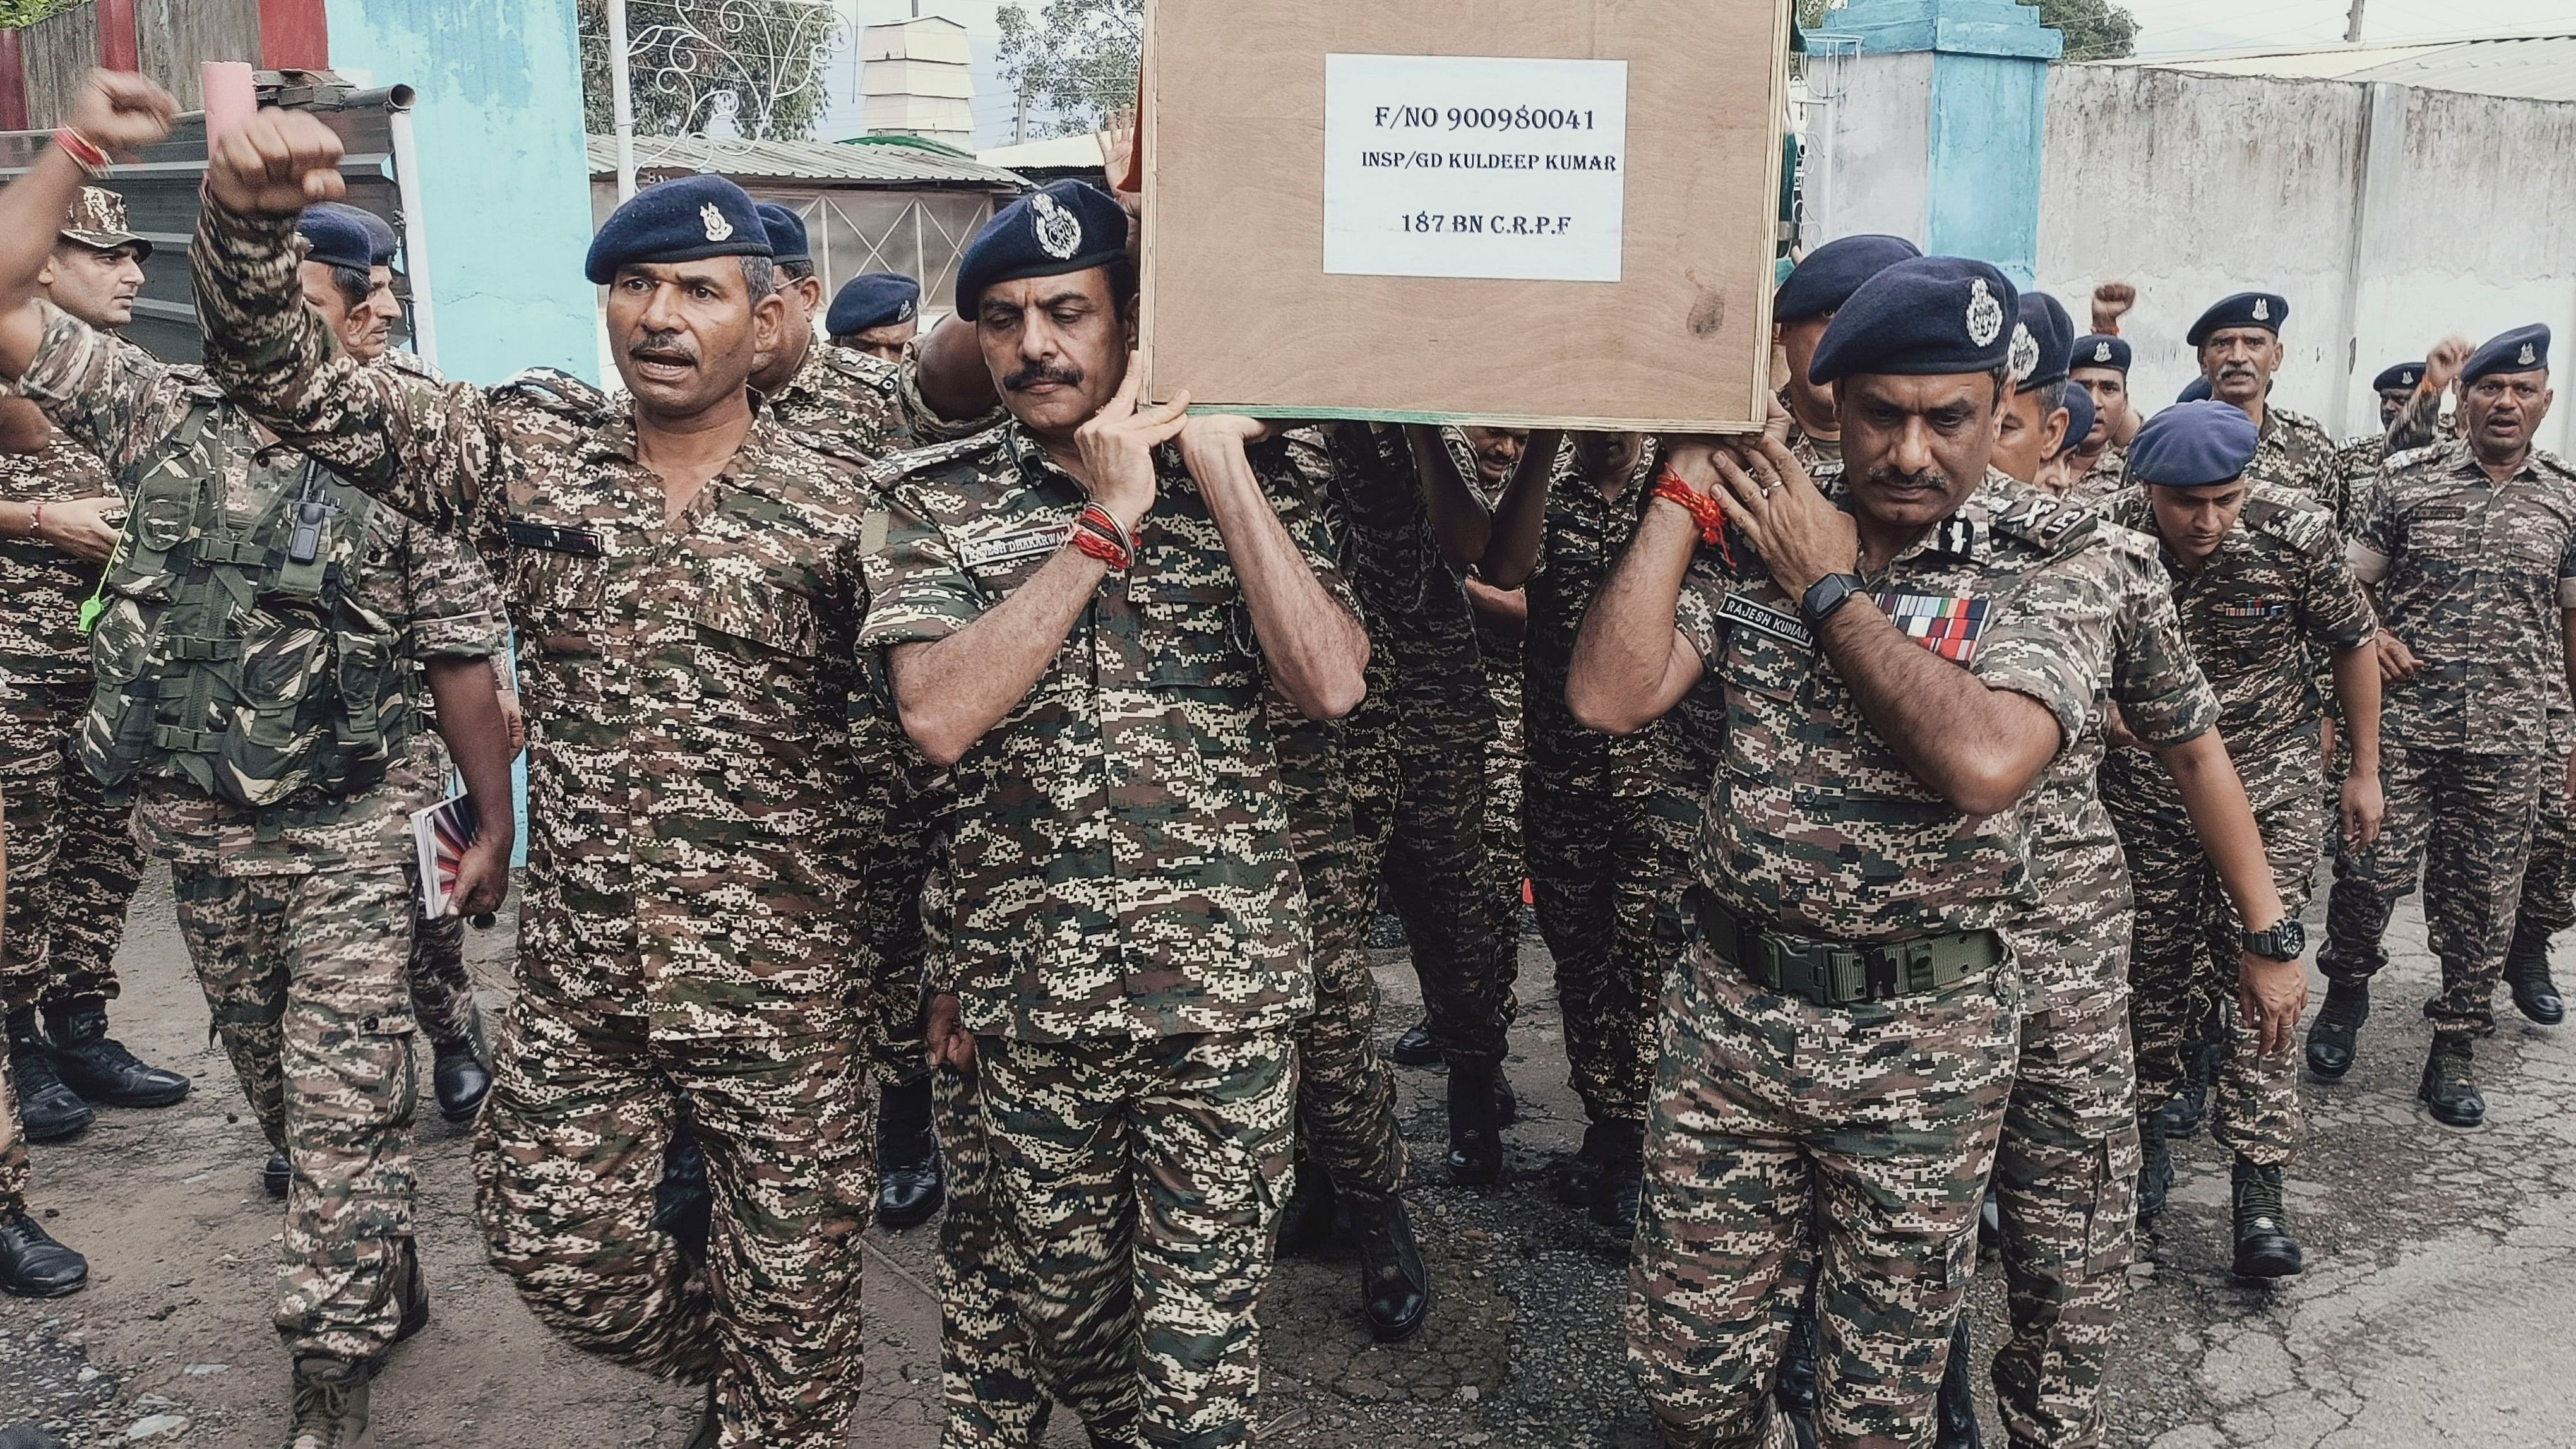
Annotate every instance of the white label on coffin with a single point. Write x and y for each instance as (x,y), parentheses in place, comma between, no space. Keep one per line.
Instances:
(1462,166)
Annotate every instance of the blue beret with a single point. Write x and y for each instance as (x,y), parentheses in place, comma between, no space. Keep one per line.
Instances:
(381,242)
(2524,349)
(335,237)
(2401,378)
(2079,421)
(1923,317)
(2246,309)
(1825,278)
(2043,342)
(1071,226)
(786,233)
(2101,349)
(2196,390)
(879,299)
(678,221)
(2194,445)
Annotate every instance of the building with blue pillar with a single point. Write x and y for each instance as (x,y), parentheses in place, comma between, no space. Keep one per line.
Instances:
(1947,102)
(504,171)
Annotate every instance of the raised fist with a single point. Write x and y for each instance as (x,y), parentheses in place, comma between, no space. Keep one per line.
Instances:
(120,111)
(276,164)
(2111,302)
(2443,365)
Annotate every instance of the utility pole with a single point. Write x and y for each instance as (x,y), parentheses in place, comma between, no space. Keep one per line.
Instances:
(1020,118)
(621,100)
(2352,31)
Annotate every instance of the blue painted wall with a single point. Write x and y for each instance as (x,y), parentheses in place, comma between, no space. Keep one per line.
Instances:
(504,176)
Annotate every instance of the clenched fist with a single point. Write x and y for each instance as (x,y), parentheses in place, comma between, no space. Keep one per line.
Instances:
(276,164)
(120,111)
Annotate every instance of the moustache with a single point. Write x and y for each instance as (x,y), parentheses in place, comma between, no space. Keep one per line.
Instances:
(672,344)
(1930,479)
(1038,372)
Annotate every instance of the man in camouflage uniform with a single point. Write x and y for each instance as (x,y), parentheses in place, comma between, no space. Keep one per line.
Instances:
(2239,343)
(1083,625)
(2262,585)
(1894,930)
(1801,309)
(684,582)
(2101,368)
(257,643)
(2470,554)
(77,859)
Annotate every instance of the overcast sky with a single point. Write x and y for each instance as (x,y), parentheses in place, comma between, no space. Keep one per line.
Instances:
(2165,27)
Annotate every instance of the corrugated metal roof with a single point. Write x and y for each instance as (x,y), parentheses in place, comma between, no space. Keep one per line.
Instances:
(800,161)
(2533,67)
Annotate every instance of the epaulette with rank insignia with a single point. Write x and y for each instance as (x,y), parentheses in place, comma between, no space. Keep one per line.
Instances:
(2412,456)
(562,394)
(2293,517)
(2044,520)
(938,455)
(863,368)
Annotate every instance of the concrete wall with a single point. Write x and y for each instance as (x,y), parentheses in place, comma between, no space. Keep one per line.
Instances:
(504,177)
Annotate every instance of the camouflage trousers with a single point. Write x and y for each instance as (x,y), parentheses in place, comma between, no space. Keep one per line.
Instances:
(13,1152)
(1506,765)
(2465,820)
(2549,881)
(1778,1130)
(2066,1170)
(1609,849)
(73,859)
(1345,1088)
(304,977)
(442,990)
(1441,876)
(1141,1181)
(569,1152)
(2184,952)
(896,872)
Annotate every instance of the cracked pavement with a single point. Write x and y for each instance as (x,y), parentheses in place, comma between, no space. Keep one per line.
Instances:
(2439,1303)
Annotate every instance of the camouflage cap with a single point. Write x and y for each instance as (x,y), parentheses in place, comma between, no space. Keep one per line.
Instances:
(98,220)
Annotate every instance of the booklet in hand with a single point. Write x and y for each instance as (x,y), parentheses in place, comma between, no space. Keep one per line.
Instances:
(440,834)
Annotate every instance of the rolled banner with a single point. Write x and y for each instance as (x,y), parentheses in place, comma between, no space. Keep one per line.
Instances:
(232,97)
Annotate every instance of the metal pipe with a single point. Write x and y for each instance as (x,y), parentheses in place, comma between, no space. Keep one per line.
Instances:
(415,217)
(621,100)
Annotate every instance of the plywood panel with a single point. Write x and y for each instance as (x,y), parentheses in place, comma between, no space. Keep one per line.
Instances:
(61,51)
(178,34)
(1239,310)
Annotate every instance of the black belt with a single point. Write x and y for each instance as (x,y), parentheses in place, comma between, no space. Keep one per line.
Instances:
(1832,974)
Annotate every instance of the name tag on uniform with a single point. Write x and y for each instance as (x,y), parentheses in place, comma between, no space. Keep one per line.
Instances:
(2250,608)
(1947,624)
(1762,618)
(1011,547)
(580,542)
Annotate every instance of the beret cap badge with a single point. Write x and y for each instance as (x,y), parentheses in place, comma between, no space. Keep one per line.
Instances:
(718,229)
(1059,231)
(2024,357)
(2262,309)
(1985,315)
(2101,352)
(2527,357)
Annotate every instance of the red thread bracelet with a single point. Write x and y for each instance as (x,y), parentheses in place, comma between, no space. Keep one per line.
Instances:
(1706,511)
(1095,546)
(84,152)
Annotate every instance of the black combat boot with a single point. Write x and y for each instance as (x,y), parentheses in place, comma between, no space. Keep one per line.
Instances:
(1955,1411)
(2526,970)
(2331,1036)
(910,1185)
(2183,1115)
(2264,1247)
(709,1432)
(1395,1289)
(2448,1092)
(683,1205)
(1415,1048)
(1306,1219)
(2155,1168)
(460,1073)
(330,1403)
(411,1290)
(33,1265)
(1507,1105)
(277,1176)
(47,1110)
(98,1066)
(1578,1175)
(1475,1126)
(1622,1181)
(1794,1391)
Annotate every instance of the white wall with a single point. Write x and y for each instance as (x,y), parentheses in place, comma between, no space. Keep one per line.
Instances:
(1868,138)
(2387,216)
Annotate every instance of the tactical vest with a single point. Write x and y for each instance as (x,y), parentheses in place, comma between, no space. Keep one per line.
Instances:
(233,650)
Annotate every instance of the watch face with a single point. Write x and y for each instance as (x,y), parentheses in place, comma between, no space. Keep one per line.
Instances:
(2284,942)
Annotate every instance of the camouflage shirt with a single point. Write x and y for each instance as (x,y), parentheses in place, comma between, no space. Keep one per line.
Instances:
(1120,857)
(41,586)
(694,848)
(2276,593)
(859,406)
(127,408)
(1814,823)
(2294,452)
(2108,475)
(1420,623)
(2472,576)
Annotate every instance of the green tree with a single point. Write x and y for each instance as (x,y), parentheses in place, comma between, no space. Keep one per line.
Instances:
(2094,29)
(1072,63)
(19,14)
(755,66)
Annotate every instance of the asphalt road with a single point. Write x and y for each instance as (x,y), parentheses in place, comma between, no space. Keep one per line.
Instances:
(2439,1305)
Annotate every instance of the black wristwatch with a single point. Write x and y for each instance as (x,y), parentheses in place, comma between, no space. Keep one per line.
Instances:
(2286,941)
(1828,594)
